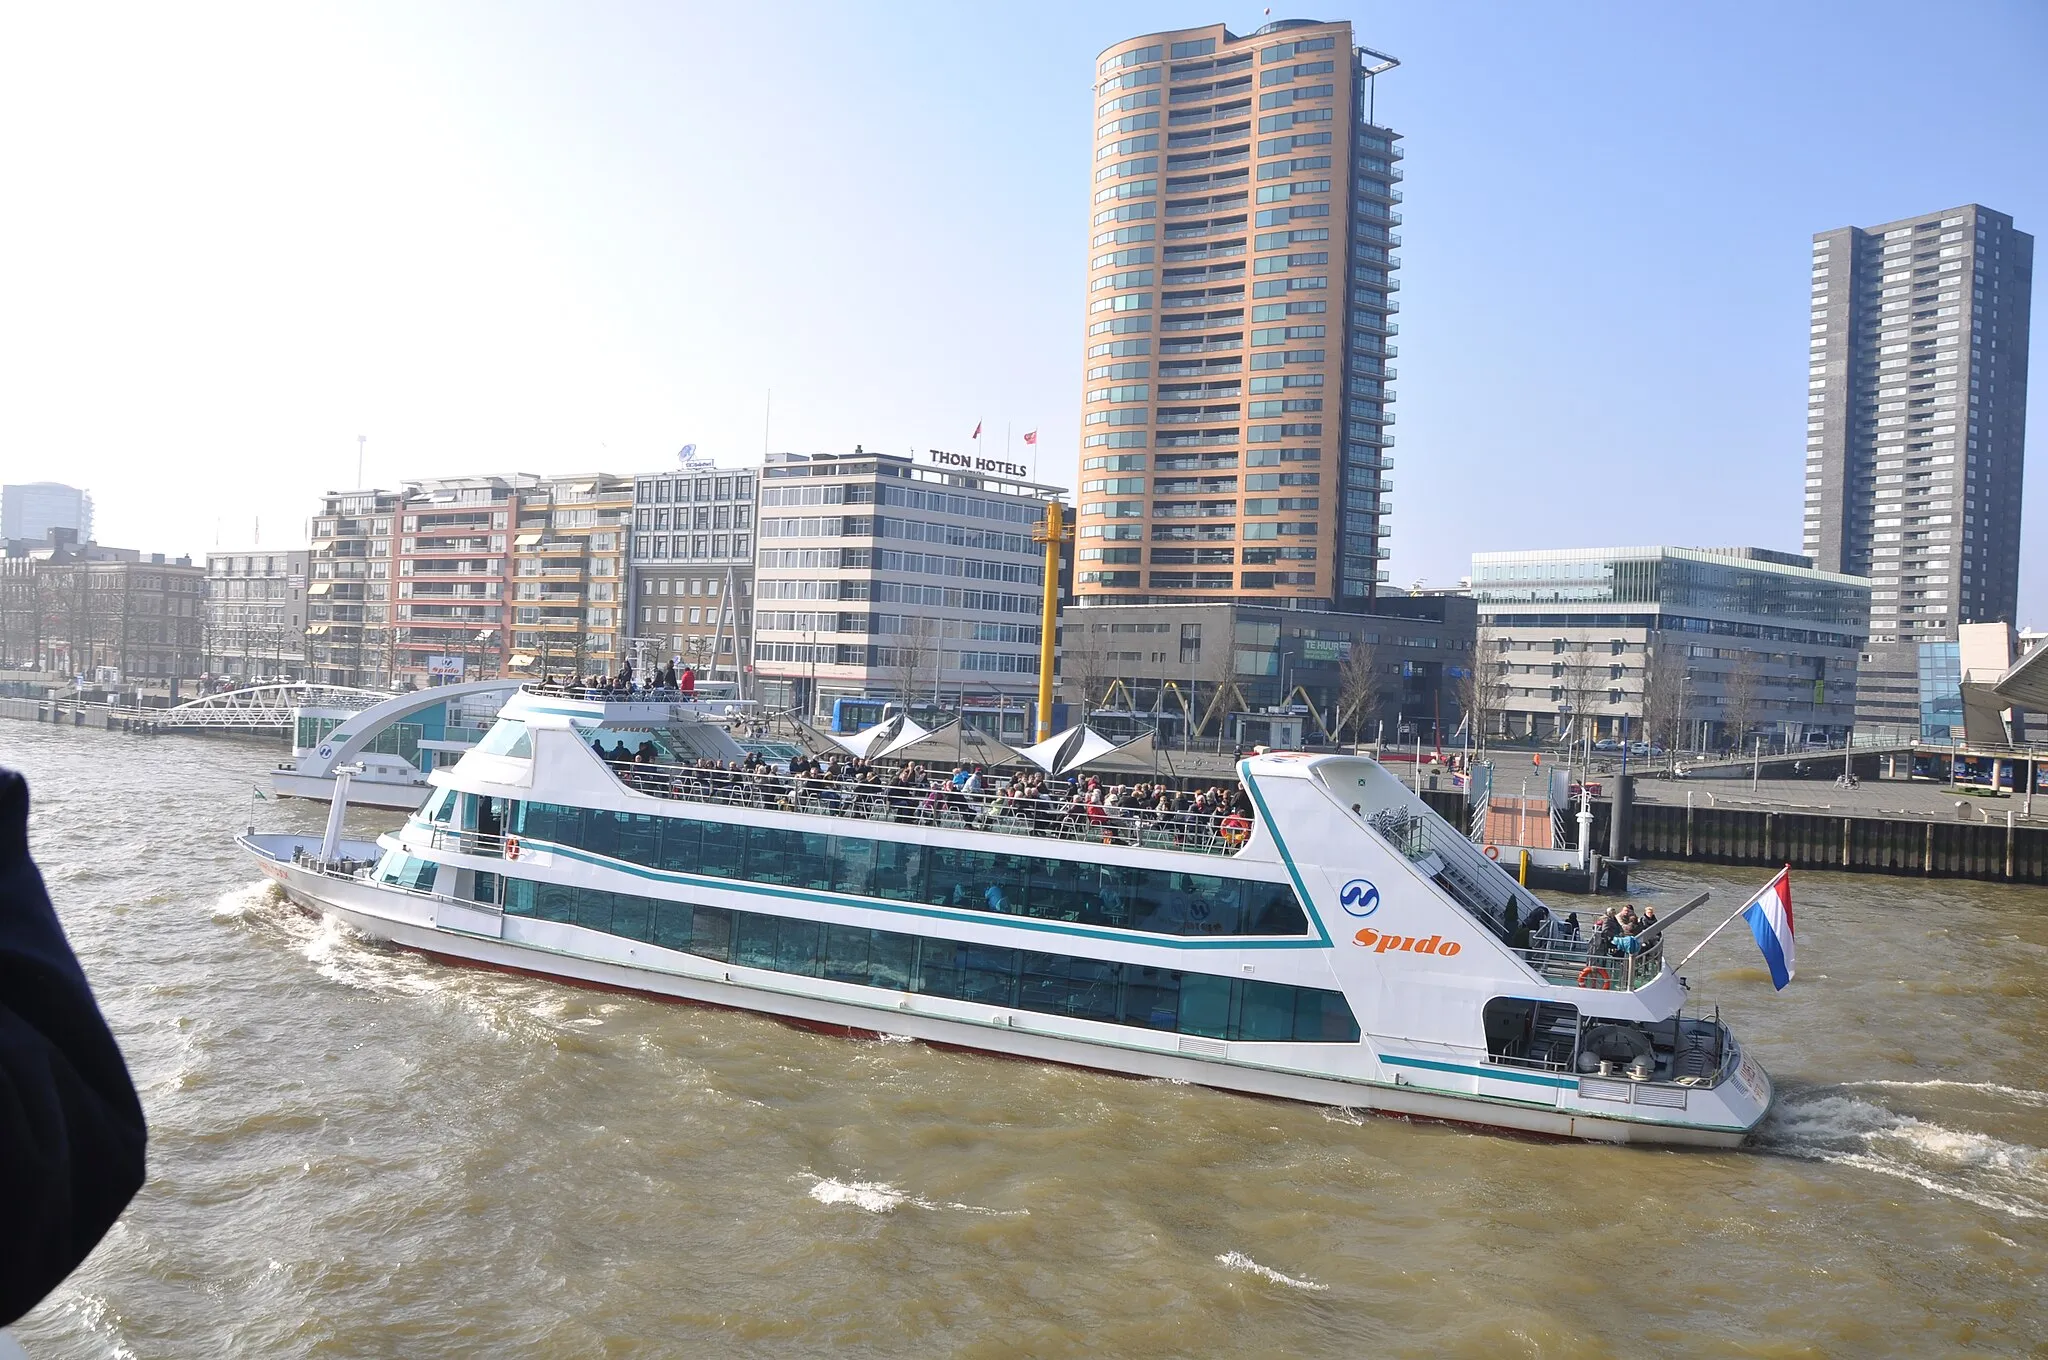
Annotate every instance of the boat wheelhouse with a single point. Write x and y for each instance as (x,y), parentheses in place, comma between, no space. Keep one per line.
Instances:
(1333,941)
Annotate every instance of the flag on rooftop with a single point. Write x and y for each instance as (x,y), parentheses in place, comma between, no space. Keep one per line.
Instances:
(1769,915)
(977,429)
(1031,436)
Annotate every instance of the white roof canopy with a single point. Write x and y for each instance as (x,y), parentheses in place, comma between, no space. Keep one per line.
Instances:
(884,738)
(1065,752)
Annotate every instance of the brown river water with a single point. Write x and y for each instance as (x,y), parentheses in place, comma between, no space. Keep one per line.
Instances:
(360,1152)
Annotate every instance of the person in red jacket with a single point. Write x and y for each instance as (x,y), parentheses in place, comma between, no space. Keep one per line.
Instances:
(71,1128)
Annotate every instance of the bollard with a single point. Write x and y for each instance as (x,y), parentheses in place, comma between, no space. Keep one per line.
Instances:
(1617,823)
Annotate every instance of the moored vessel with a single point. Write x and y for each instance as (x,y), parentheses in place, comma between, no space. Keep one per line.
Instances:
(1326,937)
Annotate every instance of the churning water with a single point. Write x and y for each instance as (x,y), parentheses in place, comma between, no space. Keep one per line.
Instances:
(359,1152)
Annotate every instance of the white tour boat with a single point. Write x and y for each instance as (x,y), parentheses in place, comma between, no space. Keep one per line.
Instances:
(1342,944)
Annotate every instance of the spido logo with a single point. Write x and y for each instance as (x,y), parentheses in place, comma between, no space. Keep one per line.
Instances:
(1407,944)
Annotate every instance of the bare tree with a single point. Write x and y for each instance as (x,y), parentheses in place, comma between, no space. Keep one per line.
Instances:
(1084,672)
(1740,700)
(914,655)
(1664,693)
(1217,669)
(1584,679)
(1482,692)
(1361,689)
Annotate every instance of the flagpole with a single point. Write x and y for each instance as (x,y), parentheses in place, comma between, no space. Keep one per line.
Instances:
(1730,921)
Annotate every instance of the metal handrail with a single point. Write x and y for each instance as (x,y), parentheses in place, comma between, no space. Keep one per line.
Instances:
(1577,966)
(939,804)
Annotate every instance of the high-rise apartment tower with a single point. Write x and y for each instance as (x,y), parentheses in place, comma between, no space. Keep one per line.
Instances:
(1916,417)
(1234,436)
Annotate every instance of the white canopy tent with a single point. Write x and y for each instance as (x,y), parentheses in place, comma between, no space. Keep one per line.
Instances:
(885,738)
(1064,752)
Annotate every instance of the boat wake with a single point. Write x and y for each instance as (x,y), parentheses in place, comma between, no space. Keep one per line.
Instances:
(2015,1094)
(1238,1261)
(1826,1124)
(879,1197)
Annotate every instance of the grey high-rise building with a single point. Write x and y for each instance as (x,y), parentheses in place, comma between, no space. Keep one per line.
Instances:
(1916,419)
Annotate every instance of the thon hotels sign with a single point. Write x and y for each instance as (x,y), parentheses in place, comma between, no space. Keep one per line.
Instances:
(974,462)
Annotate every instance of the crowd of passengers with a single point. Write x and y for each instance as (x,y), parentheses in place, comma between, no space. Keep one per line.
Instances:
(664,682)
(1074,807)
(1615,931)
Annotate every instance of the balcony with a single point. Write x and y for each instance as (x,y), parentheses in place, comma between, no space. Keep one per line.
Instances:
(1182,510)
(1174,255)
(1202,323)
(1198,161)
(1189,441)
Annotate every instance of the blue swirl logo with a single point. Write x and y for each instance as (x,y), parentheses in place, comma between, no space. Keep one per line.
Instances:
(1360,897)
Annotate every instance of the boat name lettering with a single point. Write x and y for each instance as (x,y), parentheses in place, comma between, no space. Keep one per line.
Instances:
(1381,944)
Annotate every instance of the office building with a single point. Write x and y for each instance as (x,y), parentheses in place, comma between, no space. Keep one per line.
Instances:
(29,510)
(1240,277)
(1916,418)
(692,571)
(256,613)
(882,577)
(1710,646)
(1265,675)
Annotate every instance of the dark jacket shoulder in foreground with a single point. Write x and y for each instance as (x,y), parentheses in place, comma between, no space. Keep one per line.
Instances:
(71,1131)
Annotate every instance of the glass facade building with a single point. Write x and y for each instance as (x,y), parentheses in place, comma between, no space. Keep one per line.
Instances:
(1240,298)
(1749,638)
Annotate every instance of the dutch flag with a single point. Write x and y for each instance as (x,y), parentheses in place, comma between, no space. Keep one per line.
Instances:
(1769,914)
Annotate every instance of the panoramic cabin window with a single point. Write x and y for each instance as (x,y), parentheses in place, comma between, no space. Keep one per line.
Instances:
(506,738)
(1156,901)
(401,870)
(441,806)
(1235,1009)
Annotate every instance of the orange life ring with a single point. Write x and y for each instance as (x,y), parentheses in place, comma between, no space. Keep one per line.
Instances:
(1591,970)
(1493,852)
(511,847)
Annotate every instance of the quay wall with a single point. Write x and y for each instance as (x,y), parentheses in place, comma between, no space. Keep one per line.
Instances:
(1920,847)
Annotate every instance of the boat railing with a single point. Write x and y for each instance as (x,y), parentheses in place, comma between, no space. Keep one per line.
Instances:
(1429,841)
(1581,965)
(696,700)
(340,867)
(459,841)
(941,805)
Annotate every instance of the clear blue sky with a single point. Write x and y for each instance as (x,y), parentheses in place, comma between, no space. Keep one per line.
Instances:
(556,238)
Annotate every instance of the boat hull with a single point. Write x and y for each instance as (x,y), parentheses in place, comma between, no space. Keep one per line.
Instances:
(459,933)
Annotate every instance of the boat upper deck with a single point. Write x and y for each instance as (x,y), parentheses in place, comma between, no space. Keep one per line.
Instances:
(1220,825)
